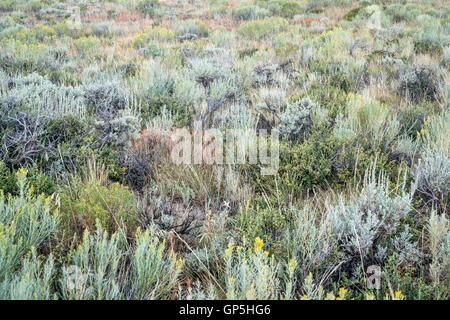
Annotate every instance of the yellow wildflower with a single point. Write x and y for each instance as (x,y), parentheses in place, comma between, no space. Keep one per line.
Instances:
(342,293)
(399,295)
(370,297)
(229,250)
(292,265)
(258,244)
(330,296)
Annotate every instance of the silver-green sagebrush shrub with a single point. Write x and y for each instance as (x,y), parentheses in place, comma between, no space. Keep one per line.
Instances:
(367,122)
(439,232)
(250,13)
(40,93)
(296,120)
(120,130)
(420,82)
(29,218)
(191,30)
(433,178)
(27,223)
(104,97)
(33,281)
(251,274)
(432,171)
(371,218)
(312,242)
(154,272)
(95,268)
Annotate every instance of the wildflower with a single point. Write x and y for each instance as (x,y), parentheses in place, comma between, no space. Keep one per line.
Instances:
(330,296)
(21,174)
(342,293)
(265,254)
(370,297)
(258,244)
(180,263)
(229,250)
(292,265)
(399,295)
(238,249)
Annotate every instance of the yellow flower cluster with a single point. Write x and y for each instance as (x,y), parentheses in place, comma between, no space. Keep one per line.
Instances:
(21,174)
(421,133)
(153,33)
(292,265)
(342,294)
(32,46)
(229,250)
(398,295)
(258,244)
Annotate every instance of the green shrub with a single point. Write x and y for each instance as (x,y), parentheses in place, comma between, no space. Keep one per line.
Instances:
(262,28)
(29,221)
(87,45)
(8,182)
(247,52)
(288,9)
(94,268)
(349,16)
(34,281)
(147,7)
(191,30)
(159,34)
(250,13)
(85,202)
(427,45)
(154,274)
(420,82)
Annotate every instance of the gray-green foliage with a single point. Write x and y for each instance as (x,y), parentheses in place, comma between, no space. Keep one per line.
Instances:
(105,97)
(154,274)
(296,120)
(33,281)
(36,92)
(95,269)
(250,13)
(119,130)
(439,230)
(420,82)
(30,218)
(432,171)
(312,241)
(369,219)
(27,223)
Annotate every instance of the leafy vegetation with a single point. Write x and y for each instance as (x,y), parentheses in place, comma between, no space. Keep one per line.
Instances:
(93,206)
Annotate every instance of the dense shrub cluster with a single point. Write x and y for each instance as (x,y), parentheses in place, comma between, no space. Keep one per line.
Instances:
(93,205)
